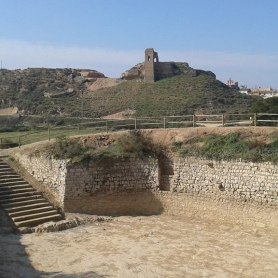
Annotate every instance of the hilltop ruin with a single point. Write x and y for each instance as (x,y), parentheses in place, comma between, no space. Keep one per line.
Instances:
(153,70)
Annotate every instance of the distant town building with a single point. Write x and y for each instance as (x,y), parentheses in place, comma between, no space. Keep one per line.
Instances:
(262,92)
(245,91)
(232,84)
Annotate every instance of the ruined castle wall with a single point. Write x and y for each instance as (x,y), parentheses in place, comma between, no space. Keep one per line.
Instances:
(151,58)
(163,70)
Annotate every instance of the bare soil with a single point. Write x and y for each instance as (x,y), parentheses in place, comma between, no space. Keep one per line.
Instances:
(154,246)
(8,111)
(101,83)
(123,115)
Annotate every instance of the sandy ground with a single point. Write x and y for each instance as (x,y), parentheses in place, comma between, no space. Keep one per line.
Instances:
(155,246)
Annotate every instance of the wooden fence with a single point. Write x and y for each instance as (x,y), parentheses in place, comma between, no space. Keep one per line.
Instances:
(110,125)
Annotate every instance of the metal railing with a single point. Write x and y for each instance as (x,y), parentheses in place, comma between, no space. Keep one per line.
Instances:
(110,125)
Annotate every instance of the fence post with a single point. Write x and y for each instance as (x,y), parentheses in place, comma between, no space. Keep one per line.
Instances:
(78,129)
(19,141)
(164,122)
(193,120)
(255,119)
(48,133)
(223,120)
(135,123)
(106,126)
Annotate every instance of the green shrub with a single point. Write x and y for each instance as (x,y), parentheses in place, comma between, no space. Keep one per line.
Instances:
(137,144)
(131,144)
(228,147)
(65,148)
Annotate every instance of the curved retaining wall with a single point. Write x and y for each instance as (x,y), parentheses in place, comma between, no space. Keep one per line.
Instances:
(127,187)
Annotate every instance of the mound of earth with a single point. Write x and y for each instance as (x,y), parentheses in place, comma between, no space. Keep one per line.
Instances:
(101,83)
(168,137)
(126,114)
(162,136)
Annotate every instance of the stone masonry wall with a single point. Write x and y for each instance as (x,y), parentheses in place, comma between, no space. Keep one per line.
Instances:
(111,187)
(111,177)
(255,182)
(127,187)
(163,70)
(49,171)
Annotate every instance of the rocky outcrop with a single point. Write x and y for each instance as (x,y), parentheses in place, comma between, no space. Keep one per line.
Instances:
(13,111)
(69,91)
(92,74)
(136,72)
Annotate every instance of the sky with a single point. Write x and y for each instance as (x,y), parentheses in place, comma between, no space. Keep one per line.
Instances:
(235,39)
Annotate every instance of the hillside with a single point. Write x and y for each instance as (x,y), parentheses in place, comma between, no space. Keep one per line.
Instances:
(42,91)
(178,95)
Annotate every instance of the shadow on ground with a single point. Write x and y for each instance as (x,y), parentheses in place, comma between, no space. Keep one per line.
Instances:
(14,260)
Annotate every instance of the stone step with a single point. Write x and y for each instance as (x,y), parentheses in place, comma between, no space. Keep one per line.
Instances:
(4,165)
(34,215)
(5,168)
(7,187)
(27,207)
(24,205)
(10,179)
(13,190)
(9,174)
(18,197)
(31,211)
(37,221)
(6,171)
(18,203)
(14,193)
(12,182)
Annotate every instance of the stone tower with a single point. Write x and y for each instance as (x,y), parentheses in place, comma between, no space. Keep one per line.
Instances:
(151,58)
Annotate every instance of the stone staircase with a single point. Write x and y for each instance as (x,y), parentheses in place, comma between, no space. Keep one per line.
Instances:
(25,206)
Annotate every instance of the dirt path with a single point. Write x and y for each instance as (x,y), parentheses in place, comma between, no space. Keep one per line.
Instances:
(156,246)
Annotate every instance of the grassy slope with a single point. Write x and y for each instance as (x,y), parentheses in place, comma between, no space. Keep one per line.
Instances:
(178,95)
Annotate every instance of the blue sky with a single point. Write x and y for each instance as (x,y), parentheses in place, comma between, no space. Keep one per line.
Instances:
(235,39)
